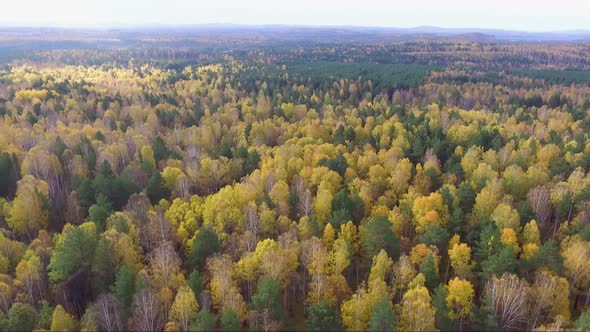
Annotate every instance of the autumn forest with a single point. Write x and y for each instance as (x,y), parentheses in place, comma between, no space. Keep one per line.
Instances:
(242,181)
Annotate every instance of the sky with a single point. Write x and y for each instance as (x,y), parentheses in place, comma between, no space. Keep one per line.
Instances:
(525,15)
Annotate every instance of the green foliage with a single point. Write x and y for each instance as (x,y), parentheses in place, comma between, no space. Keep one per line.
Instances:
(104,265)
(268,299)
(485,317)
(155,189)
(230,321)
(8,175)
(428,269)
(204,321)
(376,235)
(204,245)
(75,250)
(497,264)
(22,317)
(195,283)
(123,288)
(382,316)
(321,316)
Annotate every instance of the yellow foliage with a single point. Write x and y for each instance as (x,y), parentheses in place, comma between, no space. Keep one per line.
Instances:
(459,298)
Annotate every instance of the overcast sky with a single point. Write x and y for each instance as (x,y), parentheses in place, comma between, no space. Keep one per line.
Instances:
(531,15)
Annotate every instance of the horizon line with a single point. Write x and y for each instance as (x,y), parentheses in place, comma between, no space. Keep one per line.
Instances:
(139,26)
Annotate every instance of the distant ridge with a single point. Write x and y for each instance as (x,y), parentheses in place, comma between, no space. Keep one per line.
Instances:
(290,32)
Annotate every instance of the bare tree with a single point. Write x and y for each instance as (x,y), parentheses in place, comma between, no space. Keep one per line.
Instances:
(147,314)
(109,313)
(509,296)
(540,200)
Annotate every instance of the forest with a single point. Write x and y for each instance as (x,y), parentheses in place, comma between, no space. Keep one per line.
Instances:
(160,182)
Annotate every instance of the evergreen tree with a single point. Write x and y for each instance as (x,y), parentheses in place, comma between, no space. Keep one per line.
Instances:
(382,316)
(230,321)
(204,245)
(443,322)
(123,288)
(485,317)
(428,269)
(321,316)
(204,321)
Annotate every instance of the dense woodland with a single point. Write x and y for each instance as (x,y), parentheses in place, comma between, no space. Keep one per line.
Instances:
(411,185)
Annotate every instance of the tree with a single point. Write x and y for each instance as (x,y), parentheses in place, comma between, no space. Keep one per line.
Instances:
(459,299)
(230,321)
(382,316)
(430,271)
(460,256)
(485,317)
(184,305)
(416,312)
(63,321)
(29,212)
(74,249)
(195,283)
(155,189)
(429,210)
(443,321)
(8,175)
(123,288)
(583,322)
(22,317)
(509,299)
(321,316)
(28,275)
(548,299)
(499,263)
(378,234)
(108,313)
(204,321)
(204,244)
(104,265)
(267,300)
(164,265)
(147,311)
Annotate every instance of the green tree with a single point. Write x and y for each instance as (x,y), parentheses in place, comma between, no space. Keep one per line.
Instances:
(430,272)
(321,316)
(500,263)
(268,299)
(155,189)
(382,316)
(123,288)
(377,234)
(204,245)
(443,322)
(485,317)
(99,212)
(195,283)
(22,317)
(8,175)
(104,265)
(204,321)
(230,321)
(74,249)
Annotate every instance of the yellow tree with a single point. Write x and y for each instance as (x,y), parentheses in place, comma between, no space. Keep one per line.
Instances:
(356,312)
(506,217)
(29,211)
(460,256)
(184,306)
(63,321)
(459,299)
(548,299)
(328,236)
(429,210)
(416,311)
